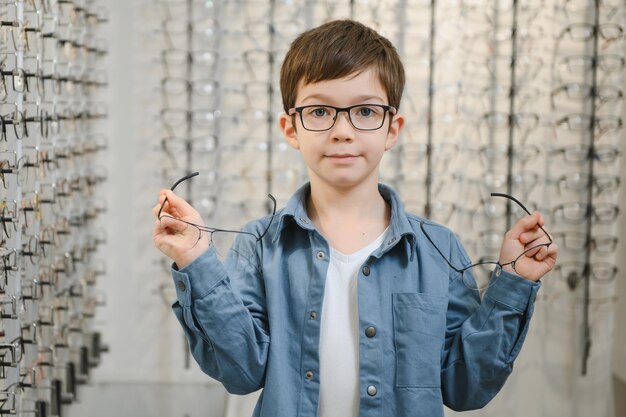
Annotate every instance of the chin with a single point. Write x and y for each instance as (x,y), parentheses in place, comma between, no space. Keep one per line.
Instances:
(346,182)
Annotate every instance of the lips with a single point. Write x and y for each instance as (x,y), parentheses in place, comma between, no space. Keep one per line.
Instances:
(342,156)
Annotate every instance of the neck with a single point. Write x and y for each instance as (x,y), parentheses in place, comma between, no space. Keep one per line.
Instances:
(363,203)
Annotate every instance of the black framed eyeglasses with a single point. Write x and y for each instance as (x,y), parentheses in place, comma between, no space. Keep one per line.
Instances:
(482,276)
(318,118)
(213,230)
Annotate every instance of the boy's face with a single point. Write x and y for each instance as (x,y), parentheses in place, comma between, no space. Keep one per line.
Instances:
(342,156)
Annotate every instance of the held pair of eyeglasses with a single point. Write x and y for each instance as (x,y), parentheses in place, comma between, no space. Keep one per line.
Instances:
(213,230)
(481,276)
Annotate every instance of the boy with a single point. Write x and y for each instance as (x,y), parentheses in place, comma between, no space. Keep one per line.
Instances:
(340,305)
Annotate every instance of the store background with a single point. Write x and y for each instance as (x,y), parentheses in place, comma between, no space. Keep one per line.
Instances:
(146,372)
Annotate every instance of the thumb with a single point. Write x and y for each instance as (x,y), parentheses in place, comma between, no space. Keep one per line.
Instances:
(523,225)
(178,205)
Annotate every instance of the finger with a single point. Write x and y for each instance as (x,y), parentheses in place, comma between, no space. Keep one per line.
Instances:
(155,209)
(159,236)
(548,255)
(553,251)
(162,240)
(169,210)
(173,225)
(160,202)
(535,236)
(162,208)
(524,224)
(532,235)
(178,205)
(542,253)
(532,250)
(157,229)
(161,196)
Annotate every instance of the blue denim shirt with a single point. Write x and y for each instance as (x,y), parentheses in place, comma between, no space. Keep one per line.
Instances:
(254,321)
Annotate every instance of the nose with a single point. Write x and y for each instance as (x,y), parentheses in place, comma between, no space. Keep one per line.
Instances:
(342,129)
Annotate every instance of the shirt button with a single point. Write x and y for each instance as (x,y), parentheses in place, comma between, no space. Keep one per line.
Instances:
(366,271)
(309,375)
(320,255)
(371,390)
(313,315)
(370,331)
(181,285)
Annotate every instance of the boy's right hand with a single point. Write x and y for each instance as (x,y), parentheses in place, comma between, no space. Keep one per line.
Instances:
(178,239)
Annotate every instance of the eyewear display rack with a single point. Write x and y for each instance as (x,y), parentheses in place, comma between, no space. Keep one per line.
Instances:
(51,113)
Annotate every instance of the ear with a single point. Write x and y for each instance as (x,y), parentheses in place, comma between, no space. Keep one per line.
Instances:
(397,123)
(289,130)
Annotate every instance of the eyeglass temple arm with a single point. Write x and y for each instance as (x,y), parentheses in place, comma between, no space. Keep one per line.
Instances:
(460,271)
(211,230)
(185,178)
(271,197)
(510,197)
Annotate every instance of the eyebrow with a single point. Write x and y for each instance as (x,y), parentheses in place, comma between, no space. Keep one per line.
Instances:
(361,99)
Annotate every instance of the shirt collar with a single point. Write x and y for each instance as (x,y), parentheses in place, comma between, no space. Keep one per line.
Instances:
(296,210)
(400,229)
(399,225)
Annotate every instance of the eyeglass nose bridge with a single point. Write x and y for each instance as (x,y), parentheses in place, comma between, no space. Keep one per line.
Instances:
(348,117)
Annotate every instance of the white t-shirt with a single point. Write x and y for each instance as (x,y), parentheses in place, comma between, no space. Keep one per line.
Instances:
(339,334)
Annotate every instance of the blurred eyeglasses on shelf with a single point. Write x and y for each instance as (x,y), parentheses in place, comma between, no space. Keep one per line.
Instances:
(578,242)
(582,154)
(578,68)
(581,123)
(602,94)
(579,212)
(573,272)
(579,182)
(496,153)
(577,11)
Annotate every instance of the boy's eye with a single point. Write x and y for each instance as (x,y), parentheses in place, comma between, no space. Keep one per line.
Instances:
(318,111)
(365,111)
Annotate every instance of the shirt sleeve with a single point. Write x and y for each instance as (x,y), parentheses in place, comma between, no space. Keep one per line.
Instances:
(483,336)
(228,336)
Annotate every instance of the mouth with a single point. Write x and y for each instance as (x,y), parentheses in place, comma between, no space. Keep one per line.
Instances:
(342,156)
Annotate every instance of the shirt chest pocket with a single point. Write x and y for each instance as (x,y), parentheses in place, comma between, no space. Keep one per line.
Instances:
(419,325)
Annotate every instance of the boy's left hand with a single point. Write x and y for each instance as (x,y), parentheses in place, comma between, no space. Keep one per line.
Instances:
(523,236)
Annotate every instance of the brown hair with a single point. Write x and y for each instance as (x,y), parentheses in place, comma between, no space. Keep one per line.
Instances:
(337,49)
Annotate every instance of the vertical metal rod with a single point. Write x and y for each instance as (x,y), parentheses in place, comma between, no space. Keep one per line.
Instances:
(189,129)
(431,101)
(401,17)
(512,88)
(494,79)
(587,269)
(189,95)
(270,102)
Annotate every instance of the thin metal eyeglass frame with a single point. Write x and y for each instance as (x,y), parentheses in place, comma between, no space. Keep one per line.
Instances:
(211,230)
(386,109)
(499,266)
